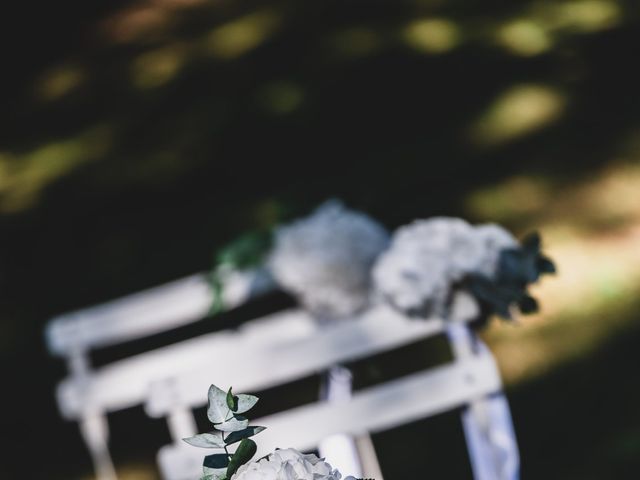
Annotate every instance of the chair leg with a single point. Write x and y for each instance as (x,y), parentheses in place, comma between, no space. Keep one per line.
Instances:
(368,457)
(182,424)
(94,430)
(340,450)
(488,429)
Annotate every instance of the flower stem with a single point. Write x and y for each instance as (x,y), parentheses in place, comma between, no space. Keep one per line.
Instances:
(225,446)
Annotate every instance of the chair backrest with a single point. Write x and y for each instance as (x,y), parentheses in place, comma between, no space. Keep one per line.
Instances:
(74,335)
(275,350)
(373,409)
(149,312)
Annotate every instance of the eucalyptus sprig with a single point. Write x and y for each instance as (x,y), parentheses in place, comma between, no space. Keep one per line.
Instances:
(224,411)
(245,252)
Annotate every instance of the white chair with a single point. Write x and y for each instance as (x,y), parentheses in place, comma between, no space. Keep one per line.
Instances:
(74,335)
(276,349)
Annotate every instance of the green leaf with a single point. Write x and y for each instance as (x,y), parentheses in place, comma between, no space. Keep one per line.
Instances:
(216,461)
(246,450)
(497,297)
(217,410)
(528,304)
(517,267)
(245,402)
(206,440)
(214,473)
(532,242)
(246,251)
(232,401)
(217,291)
(545,265)
(240,434)
(234,424)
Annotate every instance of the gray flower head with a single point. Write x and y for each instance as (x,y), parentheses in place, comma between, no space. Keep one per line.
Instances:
(325,259)
(427,258)
(288,464)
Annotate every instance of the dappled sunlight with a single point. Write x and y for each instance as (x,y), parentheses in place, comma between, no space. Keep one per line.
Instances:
(511,200)
(524,37)
(609,201)
(580,16)
(179,4)
(158,67)
(281,97)
(231,40)
(520,110)
(542,24)
(592,230)
(59,82)
(604,201)
(234,39)
(145,20)
(24,176)
(587,304)
(144,135)
(355,41)
(432,35)
(616,191)
(134,472)
(139,22)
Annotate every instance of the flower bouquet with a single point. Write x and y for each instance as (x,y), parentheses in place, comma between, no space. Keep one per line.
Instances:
(338,262)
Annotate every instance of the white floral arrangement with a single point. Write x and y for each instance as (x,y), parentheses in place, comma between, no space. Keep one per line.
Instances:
(224,411)
(337,262)
(288,464)
(434,266)
(325,259)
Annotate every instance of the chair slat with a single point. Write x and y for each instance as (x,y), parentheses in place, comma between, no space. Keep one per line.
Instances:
(375,409)
(268,352)
(149,312)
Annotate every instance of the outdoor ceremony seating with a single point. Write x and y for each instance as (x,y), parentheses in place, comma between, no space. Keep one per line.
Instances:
(278,348)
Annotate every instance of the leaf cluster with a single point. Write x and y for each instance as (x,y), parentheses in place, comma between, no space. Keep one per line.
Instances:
(517,269)
(246,251)
(224,411)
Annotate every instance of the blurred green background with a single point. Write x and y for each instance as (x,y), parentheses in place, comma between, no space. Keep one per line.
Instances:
(139,136)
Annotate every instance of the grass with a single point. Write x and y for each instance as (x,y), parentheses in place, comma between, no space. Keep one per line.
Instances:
(167,127)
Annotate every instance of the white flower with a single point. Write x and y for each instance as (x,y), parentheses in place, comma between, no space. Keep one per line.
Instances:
(427,258)
(494,239)
(325,259)
(287,464)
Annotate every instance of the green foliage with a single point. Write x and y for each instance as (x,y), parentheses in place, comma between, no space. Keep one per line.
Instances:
(246,450)
(245,403)
(232,401)
(207,440)
(517,269)
(214,473)
(216,461)
(247,251)
(217,409)
(223,410)
(237,422)
(234,437)
(216,286)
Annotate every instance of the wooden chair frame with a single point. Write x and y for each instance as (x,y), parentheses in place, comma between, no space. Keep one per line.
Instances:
(171,381)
